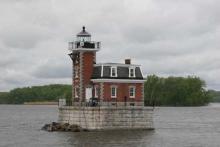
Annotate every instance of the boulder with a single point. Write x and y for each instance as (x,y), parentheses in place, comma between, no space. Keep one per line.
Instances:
(54,126)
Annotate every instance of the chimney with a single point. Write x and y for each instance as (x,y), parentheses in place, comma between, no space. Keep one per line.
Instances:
(127,61)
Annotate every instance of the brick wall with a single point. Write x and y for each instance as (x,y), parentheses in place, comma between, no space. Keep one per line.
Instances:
(88,66)
(122,91)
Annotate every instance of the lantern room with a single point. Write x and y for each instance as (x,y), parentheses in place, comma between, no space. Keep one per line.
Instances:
(83,36)
(83,41)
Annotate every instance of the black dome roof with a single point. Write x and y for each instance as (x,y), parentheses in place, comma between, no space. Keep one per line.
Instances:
(83,33)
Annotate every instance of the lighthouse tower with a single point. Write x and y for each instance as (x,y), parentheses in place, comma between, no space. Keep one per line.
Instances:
(83,55)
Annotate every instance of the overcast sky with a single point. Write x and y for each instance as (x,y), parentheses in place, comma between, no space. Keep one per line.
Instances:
(167,37)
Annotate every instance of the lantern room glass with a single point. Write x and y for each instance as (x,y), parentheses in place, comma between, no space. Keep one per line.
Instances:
(84,38)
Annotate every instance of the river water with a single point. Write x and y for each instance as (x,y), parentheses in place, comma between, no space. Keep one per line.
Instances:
(174,127)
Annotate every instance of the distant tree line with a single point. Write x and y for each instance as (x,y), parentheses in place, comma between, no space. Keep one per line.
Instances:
(215,95)
(171,91)
(176,91)
(36,94)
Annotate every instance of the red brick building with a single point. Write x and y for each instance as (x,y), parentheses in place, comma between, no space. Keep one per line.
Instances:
(106,83)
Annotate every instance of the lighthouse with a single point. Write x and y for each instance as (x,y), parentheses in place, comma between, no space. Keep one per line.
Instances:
(83,55)
(116,84)
(105,96)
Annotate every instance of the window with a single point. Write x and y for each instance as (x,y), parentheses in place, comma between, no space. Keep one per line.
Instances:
(132,72)
(113,92)
(113,71)
(83,39)
(76,92)
(96,92)
(76,72)
(132,92)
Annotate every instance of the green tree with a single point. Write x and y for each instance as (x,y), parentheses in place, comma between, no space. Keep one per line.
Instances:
(36,93)
(175,91)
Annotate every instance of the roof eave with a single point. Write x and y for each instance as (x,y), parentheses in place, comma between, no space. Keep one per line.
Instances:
(116,64)
(118,80)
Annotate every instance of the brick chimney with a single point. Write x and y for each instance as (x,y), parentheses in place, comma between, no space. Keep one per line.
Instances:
(127,61)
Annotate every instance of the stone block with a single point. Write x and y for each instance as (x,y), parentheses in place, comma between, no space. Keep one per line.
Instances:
(107,118)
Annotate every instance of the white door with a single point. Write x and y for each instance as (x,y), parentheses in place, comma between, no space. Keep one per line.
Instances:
(88,93)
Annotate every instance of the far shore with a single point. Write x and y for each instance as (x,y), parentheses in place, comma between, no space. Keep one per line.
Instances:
(40,103)
(212,104)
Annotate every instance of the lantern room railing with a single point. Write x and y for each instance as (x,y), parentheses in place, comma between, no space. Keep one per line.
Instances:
(86,45)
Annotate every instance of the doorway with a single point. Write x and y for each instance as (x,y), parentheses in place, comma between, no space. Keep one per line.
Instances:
(88,94)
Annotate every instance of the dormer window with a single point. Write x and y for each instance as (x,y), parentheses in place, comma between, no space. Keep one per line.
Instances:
(132,72)
(113,71)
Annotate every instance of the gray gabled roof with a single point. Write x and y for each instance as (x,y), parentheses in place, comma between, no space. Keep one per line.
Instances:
(103,71)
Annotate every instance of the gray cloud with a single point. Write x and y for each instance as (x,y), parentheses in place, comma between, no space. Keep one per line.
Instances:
(171,37)
(23,37)
(53,70)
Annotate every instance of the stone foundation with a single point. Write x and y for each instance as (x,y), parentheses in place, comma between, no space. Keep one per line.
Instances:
(107,118)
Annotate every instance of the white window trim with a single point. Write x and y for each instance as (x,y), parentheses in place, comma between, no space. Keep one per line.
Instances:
(115,91)
(130,68)
(116,74)
(134,92)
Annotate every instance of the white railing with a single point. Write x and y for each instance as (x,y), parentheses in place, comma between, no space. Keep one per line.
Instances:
(90,44)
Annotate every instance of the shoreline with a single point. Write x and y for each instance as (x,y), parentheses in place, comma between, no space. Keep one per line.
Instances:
(40,103)
(56,103)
